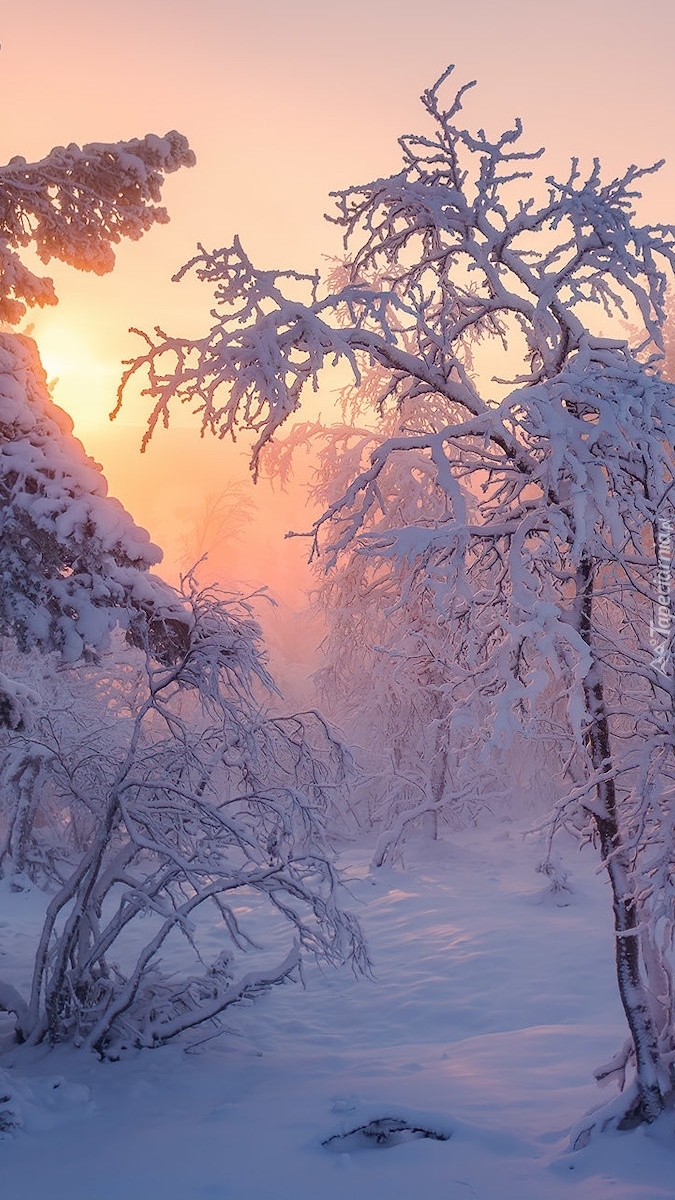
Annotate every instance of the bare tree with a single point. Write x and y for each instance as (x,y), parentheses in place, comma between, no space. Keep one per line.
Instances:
(219,520)
(552,560)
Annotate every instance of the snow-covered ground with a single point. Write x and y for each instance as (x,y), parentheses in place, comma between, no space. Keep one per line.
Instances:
(490,1007)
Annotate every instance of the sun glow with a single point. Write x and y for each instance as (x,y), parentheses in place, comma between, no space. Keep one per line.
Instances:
(82,378)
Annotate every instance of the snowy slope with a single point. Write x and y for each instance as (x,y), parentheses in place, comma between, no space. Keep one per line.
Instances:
(489,1008)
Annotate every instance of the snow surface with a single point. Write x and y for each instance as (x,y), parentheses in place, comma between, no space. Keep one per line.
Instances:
(490,1007)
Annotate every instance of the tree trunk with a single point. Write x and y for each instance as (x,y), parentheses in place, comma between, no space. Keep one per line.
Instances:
(632,989)
(24,782)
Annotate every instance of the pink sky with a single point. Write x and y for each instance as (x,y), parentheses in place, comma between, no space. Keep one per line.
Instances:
(283,101)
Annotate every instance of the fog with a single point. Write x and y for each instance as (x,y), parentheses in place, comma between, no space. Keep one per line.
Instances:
(196,498)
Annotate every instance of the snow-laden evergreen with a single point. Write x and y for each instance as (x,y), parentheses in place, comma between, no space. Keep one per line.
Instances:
(74,562)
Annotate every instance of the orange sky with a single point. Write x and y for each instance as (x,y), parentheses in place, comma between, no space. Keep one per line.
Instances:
(282,102)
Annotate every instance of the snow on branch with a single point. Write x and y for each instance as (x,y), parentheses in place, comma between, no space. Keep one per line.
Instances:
(449,250)
(75,205)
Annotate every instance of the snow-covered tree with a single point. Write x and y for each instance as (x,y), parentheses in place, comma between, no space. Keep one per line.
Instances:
(72,561)
(552,559)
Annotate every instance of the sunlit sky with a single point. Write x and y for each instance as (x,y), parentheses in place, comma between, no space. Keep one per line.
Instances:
(283,100)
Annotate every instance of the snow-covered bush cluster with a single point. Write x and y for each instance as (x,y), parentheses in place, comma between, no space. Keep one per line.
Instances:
(147,796)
